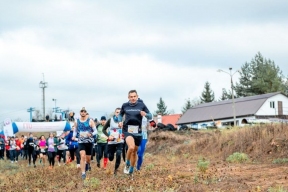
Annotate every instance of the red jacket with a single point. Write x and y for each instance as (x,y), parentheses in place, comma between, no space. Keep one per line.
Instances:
(18,143)
(7,147)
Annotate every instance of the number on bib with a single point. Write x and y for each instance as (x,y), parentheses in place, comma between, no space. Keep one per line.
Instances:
(133,128)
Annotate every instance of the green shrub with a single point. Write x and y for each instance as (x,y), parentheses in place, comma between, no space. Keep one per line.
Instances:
(93,183)
(149,167)
(186,155)
(277,189)
(203,165)
(237,158)
(9,166)
(280,161)
(196,179)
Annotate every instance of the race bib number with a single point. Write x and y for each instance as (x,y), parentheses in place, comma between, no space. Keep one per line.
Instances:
(103,136)
(51,146)
(83,134)
(115,134)
(133,128)
(43,150)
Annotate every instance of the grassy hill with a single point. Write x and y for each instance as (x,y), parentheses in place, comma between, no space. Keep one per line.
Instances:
(240,159)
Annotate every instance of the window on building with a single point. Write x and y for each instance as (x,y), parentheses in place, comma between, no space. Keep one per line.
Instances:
(272,104)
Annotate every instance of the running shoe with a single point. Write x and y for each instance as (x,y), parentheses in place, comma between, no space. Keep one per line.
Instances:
(98,165)
(126,169)
(89,167)
(131,170)
(83,176)
(34,166)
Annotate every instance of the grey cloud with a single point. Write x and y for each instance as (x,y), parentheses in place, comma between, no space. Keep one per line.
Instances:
(52,36)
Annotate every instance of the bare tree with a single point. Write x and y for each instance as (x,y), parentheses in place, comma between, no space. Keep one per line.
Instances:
(18,120)
(37,115)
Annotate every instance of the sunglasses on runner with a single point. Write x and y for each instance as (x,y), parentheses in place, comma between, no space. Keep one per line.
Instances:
(82,111)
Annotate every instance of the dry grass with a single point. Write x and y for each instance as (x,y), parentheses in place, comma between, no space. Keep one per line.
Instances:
(266,141)
(172,164)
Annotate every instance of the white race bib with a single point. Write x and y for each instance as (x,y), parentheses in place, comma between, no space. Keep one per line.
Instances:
(133,128)
(103,136)
(115,134)
(83,133)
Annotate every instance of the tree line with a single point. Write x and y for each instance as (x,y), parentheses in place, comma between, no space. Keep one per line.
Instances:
(259,76)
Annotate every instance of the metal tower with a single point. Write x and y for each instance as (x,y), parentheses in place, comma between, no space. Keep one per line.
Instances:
(30,110)
(43,85)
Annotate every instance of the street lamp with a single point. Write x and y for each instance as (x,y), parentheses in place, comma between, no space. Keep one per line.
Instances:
(233,102)
(55,104)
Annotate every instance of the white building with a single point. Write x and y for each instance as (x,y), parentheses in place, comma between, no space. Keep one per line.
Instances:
(259,108)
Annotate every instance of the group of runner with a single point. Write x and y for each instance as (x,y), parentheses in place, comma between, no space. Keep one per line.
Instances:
(112,135)
(109,138)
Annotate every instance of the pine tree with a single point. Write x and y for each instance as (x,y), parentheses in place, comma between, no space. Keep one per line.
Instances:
(187,105)
(244,88)
(161,108)
(224,95)
(260,76)
(207,95)
(286,87)
(190,103)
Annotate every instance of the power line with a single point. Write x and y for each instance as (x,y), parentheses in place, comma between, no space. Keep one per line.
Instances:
(2,114)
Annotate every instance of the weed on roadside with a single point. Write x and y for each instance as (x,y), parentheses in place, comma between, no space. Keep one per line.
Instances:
(149,167)
(237,158)
(203,165)
(277,189)
(92,183)
(280,161)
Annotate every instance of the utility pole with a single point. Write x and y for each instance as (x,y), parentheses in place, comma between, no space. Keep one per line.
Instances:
(43,85)
(30,110)
(233,102)
(232,88)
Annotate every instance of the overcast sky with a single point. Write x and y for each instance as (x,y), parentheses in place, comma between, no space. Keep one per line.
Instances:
(93,52)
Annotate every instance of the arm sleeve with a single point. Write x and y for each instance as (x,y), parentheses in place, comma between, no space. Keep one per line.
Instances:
(75,132)
(94,131)
(148,114)
(107,124)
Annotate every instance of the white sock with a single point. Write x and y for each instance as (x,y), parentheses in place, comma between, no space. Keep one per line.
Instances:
(83,173)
